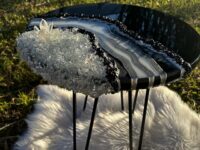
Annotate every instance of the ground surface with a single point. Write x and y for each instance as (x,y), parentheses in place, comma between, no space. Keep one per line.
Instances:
(17,82)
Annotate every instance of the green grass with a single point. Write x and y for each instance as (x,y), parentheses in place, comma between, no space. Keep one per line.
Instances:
(17,82)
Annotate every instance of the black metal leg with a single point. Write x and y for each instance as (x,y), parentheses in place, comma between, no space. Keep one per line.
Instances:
(130,120)
(135,100)
(85,102)
(74,120)
(143,119)
(122,101)
(91,123)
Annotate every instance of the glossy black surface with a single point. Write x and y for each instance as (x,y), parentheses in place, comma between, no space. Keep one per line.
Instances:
(173,33)
(170,31)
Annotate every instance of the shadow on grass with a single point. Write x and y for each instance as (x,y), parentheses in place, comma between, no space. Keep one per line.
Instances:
(9,133)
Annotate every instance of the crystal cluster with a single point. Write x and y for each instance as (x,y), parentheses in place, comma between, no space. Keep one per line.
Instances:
(65,58)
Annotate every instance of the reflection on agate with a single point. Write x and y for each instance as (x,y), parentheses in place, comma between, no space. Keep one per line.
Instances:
(139,59)
(117,49)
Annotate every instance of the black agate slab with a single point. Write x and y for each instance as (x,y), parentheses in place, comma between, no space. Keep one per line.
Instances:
(138,47)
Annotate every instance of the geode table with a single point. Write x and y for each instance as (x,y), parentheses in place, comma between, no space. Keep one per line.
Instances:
(139,47)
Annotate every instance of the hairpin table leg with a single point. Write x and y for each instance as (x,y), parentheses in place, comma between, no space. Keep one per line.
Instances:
(122,101)
(85,102)
(143,119)
(74,120)
(135,100)
(130,120)
(91,123)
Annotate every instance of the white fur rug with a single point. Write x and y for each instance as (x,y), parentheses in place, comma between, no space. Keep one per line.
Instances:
(170,124)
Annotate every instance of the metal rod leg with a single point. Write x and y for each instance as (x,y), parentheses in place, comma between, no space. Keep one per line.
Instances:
(74,120)
(91,123)
(130,120)
(135,100)
(143,119)
(122,101)
(85,102)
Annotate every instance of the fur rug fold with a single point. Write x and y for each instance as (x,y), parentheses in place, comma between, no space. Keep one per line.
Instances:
(170,124)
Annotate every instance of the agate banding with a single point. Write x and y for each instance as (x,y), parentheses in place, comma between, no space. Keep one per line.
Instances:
(141,62)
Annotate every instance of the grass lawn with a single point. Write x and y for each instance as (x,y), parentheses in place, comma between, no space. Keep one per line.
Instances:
(17,82)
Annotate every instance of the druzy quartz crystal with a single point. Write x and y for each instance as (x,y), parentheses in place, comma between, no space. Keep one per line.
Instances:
(66,57)
(95,55)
